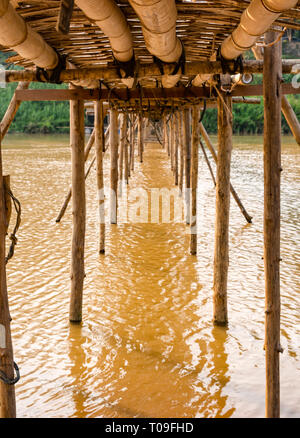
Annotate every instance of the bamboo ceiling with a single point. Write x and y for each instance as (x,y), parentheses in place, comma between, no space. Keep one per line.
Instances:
(201,25)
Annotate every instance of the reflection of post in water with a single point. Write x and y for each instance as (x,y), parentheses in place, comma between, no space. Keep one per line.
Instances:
(220,371)
(77,370)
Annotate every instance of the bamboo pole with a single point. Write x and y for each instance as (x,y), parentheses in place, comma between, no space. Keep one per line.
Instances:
(113,166)
(194,178)
(187,162)
(7,392)
(150,70)
(232,190)
(12,109)
(78,208)
(286,107)
(69,194)
(99,148)
(221,257)
(272,171)
(140,137)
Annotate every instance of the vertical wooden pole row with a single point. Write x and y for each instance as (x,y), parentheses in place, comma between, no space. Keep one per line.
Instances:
(187,162)
(221,255)
(272,171)
(176,146)
(7,392)
(78,208)
(181,150)
(194,178)
(172,127)
(122,139)
(126,153)
(113,139)
(140,137)
(132,141)
(99,147)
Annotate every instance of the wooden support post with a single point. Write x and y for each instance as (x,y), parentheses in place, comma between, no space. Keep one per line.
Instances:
(176,146)
(194,178)
(208,163)
(113,166)
(78,208)
(7,392)
(132,141)
(87,150)
(272,171)
(172,127)
(181,150)
(12,110)
(99,147)
(232,190)
(165,138)
(122,139)
(140,137)
(169,136)
(187,162)
(221,257)
(126,154)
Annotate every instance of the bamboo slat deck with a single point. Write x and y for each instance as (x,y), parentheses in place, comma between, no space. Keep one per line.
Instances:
(201,25)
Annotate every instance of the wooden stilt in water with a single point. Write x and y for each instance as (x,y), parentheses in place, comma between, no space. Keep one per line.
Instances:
(122,140)
(272,170)
(194,178)
(221,257)
(172,146)
(132,142)
(187,162)
(176,146)
(99,147)
(78,208)
(208,163)
(140,137)
(113,166)
(232,190)
(126,154)
(181,151)
(87,150)
(7,392)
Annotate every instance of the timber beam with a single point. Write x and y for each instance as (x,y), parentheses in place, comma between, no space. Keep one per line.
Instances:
(146,94)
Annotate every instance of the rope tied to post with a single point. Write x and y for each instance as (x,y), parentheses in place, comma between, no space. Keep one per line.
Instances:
(13,236)
(8,381)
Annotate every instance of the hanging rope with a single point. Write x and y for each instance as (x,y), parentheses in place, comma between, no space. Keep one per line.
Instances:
(13,236)
(8,381)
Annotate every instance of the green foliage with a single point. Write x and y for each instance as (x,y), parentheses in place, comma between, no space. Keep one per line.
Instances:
(248,119)
(37,117)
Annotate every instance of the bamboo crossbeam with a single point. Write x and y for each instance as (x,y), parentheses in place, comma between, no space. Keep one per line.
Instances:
(110,72)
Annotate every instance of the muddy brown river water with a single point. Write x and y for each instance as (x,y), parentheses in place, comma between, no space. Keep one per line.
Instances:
(147,347)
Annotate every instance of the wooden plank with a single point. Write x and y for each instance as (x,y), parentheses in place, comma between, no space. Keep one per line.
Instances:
(147,93)
(64,17)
